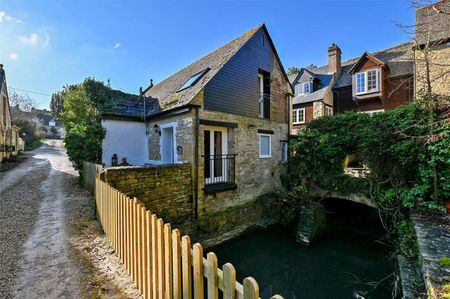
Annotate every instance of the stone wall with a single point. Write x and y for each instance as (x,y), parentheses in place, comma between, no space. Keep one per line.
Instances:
(254,175)
(165,189)
(439,70)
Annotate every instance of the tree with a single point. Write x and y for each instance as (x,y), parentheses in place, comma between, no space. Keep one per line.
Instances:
(295,70)
(56,104)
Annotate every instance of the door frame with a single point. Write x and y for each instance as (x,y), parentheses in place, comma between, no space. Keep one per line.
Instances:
(172,125)
(224,131)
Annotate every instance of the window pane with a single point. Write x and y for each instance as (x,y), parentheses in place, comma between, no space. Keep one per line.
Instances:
(360,82)
(301,115)
(265,145)
(372,80)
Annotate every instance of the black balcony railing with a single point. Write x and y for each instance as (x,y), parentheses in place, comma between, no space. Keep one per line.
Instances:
(220,170)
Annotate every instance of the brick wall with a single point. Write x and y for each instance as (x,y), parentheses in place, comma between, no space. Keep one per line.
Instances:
(165,189)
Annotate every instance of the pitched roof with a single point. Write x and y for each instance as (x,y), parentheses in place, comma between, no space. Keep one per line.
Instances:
(365,56)
(433,23)
(166,91)
(323,82)
(399,59)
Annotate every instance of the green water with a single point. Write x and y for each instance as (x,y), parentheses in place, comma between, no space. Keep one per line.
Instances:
(341,263)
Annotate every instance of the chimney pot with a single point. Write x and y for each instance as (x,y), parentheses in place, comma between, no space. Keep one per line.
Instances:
(334,59)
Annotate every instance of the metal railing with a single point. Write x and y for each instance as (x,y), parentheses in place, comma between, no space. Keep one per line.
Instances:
(220,169)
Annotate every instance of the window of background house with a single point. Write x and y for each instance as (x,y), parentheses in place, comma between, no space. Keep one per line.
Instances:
(298,116)
(360,82)
(284,152)
(372,80)
(367,81)
(307,87)
(328,110)
(265,146)
(261,94)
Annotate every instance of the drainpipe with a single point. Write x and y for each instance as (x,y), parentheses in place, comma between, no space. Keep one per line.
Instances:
(196,153)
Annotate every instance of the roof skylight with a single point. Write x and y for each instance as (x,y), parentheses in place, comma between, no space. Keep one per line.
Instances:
(193,80)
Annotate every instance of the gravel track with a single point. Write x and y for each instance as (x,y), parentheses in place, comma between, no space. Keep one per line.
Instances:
(19,206)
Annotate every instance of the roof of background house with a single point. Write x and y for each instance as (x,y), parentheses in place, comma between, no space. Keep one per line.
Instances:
(323,82)
(433,23)
(399,59)
(166,90)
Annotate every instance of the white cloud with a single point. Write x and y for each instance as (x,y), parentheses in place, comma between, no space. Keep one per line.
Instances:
(13,56)
(117,45)
(31,40)
(2,15)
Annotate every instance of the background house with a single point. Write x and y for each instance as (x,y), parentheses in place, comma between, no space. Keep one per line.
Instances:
(5,119)
(372,83)
(432,49)
(226,115)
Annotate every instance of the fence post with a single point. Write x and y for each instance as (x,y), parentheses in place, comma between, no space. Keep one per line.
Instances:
(198,271)
(176,256)
(251,288)
(211,274)
(160,243)
(229,281)
(144,251)
(148,229)
(186,262)
(168,260)
(155,256)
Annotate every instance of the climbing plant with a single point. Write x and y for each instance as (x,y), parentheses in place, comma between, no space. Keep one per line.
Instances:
(81,107)
(396,147)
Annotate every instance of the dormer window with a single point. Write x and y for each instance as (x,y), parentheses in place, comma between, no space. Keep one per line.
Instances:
(367,81)
(303,88)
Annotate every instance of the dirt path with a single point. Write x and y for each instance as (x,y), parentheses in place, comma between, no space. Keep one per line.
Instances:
(45,269)
(51,245)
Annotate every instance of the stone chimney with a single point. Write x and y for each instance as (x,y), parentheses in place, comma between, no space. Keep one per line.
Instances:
(334,59)
(2,71)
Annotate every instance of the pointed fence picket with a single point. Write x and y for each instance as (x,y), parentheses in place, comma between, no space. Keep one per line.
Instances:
(163,264)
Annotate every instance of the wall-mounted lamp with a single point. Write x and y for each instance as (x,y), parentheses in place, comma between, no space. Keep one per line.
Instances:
(157,130)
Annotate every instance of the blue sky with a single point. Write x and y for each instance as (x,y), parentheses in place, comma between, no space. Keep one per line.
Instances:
(45,45)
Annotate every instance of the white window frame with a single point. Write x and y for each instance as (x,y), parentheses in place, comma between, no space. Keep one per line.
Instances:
(300,87)
(365,75)
(296,112)
(328,110)
(261,95)
(270,146)
(284,151)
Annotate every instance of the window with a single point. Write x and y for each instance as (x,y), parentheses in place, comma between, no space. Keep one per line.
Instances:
(372,80)
(264,94)
(372,112)
(261,95)
(328,110)
(298,116)
(367,81)
(193,80)
(284,151)
(303,88)
(307,87)
(265,146)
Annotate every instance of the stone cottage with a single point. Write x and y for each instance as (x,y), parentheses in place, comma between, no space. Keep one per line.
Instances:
(225,115)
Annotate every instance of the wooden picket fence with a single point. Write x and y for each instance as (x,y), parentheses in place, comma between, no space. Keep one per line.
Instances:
(161,262)
(90,171)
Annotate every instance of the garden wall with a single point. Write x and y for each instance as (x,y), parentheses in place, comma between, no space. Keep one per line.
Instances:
(166,190)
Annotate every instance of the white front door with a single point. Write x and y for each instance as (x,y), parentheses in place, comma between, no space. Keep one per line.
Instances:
(215,150)
(167,145)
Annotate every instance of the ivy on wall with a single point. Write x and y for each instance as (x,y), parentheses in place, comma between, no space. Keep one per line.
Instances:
(395,146)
